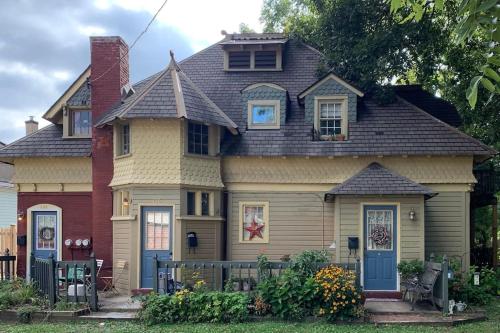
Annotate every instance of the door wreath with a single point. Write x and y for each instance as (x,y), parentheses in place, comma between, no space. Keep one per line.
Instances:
(46,233)
(380,235)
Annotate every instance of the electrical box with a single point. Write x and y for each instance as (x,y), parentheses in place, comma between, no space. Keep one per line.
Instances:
(353,243)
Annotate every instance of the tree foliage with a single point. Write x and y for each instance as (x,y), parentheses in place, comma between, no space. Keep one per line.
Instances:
(367,43)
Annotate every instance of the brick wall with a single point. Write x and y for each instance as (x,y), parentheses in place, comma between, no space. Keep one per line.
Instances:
(109,73)
(76,219)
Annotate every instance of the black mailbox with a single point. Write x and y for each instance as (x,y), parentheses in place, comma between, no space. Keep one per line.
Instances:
(192,239)
(21,240)
(353,243)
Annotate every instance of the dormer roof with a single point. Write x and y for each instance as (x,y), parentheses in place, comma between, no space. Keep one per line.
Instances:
(254,39)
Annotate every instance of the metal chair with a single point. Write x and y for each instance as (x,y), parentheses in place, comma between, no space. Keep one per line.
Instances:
(110,281)
(424,287)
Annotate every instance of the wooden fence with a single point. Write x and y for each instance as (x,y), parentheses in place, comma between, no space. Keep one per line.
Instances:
(243,275)
(8,249)
(68,280)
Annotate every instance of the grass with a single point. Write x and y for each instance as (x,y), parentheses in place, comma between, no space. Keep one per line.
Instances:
(491,325)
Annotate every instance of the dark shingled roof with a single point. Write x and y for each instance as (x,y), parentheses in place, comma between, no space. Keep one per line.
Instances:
(375,179)
(435,106)
(81,97)
(396,129)
(156,99)
(254,38)
(47,142)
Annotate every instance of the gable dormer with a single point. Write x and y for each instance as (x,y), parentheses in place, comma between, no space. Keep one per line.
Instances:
(330,104)
(253,52)
(73,110)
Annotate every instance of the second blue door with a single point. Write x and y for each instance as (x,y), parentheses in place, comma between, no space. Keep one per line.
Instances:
(380,247)
(156,229)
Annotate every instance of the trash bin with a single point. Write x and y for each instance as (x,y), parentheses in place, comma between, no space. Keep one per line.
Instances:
(80,290)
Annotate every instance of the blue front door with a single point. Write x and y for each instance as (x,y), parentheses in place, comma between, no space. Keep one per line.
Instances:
(156,226)
(380,247)
(44,238)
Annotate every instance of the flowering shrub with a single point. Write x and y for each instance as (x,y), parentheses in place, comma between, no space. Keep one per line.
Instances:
(339,296)
(195,307)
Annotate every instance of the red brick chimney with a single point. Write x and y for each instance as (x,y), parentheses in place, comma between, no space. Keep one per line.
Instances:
(109,73)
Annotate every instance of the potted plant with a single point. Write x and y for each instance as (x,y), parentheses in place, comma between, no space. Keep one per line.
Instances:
(340,137)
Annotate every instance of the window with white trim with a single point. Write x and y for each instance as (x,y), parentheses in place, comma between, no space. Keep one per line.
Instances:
(330,118)
(263,114)
(81,123)
(254,222)
(122,139)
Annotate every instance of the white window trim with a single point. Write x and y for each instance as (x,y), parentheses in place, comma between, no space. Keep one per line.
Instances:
(68,123)
(118,140)
(241,220)
(343,99)
(276,103)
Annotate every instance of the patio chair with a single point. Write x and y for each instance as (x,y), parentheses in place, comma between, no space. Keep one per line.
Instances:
(109,281)
(423,288)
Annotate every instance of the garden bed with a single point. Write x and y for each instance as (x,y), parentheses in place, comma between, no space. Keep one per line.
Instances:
(38,316)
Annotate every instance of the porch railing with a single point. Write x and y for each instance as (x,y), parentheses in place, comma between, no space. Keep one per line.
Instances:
(7,266)
(73,281)
(244,275)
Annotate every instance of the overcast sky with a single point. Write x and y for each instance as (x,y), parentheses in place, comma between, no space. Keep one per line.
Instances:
(44,45)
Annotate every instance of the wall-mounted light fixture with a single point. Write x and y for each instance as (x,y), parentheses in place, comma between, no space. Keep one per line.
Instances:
(412,215)
(125,202)
(20,215)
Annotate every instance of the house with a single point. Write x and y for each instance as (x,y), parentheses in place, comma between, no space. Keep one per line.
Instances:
(243,147)
(8,196)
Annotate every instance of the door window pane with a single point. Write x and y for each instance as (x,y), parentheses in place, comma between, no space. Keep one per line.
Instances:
(157,230)
(379,230)
(46,232)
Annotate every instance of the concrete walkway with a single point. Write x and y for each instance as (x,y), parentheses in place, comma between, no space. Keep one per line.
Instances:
(117,307)
(397,306)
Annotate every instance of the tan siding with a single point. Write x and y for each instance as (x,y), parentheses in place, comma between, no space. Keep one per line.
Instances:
(411,232)
(121,251)
(53,174)
(208,234)
(295,225)
(322,170)
(446,224)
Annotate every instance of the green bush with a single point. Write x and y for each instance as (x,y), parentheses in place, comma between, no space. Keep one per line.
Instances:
(462,287)
(17,293)
(410,268)
(195,307)
(289,295)
(306,262)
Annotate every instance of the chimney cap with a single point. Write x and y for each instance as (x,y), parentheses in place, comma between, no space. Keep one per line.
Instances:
(31,120)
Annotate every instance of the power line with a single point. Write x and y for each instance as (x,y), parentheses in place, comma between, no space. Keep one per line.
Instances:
(133,44)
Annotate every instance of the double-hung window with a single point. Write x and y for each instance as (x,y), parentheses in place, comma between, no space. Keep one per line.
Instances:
(263,114)
(197,139)
(81,122)
(330,118)
(125,139)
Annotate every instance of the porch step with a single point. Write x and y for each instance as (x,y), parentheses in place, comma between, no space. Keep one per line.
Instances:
(101,315)
(141,291)
(383,294)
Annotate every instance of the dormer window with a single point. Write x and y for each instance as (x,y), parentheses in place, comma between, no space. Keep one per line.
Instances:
(81,123)
(265,59)
(263,114)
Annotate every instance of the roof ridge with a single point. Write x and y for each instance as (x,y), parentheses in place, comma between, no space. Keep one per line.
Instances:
(456,130)
(208,100)
(143,93)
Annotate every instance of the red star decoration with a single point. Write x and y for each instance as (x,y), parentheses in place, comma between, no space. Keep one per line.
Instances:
(255,229)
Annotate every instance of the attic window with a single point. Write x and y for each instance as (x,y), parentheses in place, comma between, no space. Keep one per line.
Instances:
(239,59)
(265,59)
(81,122)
